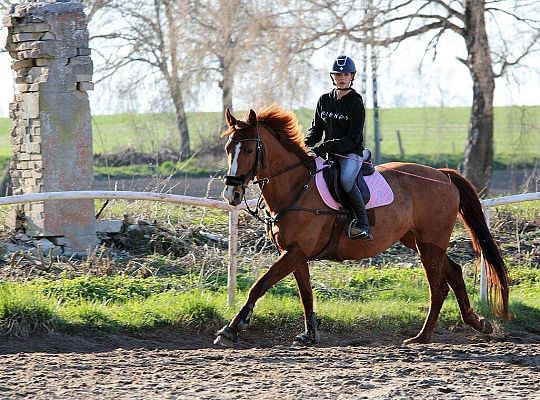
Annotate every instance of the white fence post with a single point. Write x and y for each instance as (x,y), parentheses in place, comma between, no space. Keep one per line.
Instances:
(233,261)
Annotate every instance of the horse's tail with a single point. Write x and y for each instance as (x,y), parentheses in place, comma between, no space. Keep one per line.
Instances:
(470,211)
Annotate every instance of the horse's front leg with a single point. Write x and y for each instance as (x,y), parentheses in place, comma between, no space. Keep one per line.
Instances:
(311,335)
(287,262)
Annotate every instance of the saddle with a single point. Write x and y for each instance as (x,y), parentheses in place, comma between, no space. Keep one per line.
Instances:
(331,176)
(375,192)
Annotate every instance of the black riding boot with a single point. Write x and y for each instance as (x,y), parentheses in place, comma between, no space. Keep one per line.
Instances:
(359,227)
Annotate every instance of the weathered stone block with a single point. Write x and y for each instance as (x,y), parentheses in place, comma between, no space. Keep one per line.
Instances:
(7,21)
(34,87)
(21,73)
(32,27)
(83,69)
(85,86)
(80,60)
(41,62)
(30,105)
(48,36)
(26,37)
(33,148)
(109,226)
(25,46)
(84,51)
(83,78)
(21,64)
(34,53)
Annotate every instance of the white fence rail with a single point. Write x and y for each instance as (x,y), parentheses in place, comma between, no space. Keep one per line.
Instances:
(233,221)
(150,196)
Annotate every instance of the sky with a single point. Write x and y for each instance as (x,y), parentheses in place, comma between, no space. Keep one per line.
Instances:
(443,82)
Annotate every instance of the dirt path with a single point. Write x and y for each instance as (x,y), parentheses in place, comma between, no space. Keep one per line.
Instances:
(456,366)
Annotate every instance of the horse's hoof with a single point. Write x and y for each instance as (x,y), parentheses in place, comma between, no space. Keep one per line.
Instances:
(416,339)
(305,339)
(226,337)
(223,341)
(487,328)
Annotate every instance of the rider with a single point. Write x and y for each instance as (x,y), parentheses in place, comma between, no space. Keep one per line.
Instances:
(340,115)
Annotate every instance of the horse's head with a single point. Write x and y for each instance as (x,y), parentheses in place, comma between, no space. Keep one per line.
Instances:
(244,155)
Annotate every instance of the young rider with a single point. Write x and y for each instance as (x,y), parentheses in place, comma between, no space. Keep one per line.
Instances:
(340,116)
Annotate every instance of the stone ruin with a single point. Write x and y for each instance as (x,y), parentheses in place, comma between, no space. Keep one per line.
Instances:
(51,136)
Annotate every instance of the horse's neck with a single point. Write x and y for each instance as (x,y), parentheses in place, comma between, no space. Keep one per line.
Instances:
(282,187)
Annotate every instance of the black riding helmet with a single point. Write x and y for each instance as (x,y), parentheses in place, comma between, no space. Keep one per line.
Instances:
(343,64)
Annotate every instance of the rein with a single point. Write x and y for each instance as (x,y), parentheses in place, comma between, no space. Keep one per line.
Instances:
(401,172)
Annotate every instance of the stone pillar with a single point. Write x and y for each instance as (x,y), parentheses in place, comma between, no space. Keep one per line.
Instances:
(52,133)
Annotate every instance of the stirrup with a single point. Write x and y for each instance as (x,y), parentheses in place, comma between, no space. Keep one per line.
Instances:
(363,234)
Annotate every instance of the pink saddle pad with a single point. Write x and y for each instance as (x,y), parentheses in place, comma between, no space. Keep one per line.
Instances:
(381,193)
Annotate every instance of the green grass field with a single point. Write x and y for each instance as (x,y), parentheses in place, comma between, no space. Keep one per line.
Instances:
(434,136)
(188,292)
(389,299)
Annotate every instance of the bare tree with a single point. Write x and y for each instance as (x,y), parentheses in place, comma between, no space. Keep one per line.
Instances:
(497,35)
(247,46)
(155,34)
(223,33)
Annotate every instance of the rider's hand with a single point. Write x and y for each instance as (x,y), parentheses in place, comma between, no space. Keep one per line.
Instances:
(320,150)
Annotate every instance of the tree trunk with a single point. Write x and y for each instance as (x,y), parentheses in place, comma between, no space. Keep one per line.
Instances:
(181,124)
(227,81)
(479,151)
(180,114)
(174,82)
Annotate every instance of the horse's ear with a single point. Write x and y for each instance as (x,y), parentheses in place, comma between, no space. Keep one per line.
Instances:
(231,121)
(252,119)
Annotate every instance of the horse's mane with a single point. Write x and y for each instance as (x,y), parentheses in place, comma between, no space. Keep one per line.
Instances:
(285,127)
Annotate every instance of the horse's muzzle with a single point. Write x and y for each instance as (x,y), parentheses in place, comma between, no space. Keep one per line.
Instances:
(233,194)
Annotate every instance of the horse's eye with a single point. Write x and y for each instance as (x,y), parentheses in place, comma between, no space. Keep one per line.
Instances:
(249,151)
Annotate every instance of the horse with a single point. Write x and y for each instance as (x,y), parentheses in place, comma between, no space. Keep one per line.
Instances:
(267,148)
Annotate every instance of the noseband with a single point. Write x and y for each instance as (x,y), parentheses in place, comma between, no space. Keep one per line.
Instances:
(237,180)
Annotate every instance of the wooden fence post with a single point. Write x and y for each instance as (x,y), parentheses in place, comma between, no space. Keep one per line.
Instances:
(401,149)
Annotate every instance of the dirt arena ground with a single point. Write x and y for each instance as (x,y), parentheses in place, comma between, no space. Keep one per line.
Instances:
(171,366)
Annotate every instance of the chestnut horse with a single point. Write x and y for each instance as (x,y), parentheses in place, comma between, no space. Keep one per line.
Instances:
(268,149)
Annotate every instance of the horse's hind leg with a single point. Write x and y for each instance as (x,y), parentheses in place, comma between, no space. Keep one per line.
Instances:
(289,260)
(434,261)
(311,335)
(454,276)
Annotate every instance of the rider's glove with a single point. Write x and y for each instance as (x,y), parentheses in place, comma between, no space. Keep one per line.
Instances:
(320,150)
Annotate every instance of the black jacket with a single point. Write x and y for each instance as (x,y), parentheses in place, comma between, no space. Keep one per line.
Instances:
(341,121)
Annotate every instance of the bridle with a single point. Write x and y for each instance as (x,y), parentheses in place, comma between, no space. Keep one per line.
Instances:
(237,180)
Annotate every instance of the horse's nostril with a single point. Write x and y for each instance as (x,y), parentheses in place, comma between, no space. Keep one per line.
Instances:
(236,196)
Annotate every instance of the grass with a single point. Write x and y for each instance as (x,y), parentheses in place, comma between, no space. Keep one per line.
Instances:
(433,136)
(390,299)
(189,291)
